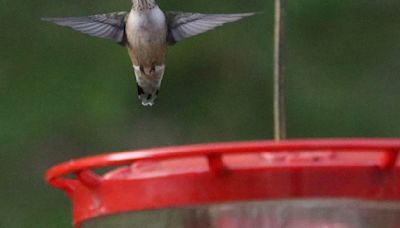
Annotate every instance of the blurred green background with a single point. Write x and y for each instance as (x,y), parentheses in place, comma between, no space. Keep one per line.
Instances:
(65,95)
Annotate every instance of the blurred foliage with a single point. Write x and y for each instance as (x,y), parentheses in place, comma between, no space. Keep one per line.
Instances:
(65,95)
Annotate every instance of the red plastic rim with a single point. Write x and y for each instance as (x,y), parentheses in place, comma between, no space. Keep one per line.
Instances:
(224,172)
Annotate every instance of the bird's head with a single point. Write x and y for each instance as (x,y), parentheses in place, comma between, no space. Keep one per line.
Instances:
(143,4)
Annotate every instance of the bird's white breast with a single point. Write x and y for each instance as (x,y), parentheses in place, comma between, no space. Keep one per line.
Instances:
(147,22)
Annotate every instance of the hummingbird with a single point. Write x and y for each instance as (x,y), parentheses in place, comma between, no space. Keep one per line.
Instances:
(146,31)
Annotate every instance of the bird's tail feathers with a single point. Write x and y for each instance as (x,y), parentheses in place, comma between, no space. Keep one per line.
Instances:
(147,96)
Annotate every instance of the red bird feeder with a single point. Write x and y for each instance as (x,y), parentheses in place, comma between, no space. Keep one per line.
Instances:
(292,183)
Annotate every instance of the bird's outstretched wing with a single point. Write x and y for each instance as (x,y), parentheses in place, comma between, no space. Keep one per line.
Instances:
(183,25)
(109,26)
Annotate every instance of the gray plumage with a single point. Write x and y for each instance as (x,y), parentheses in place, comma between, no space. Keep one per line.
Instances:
(183,25)
(146,31)
(109,26)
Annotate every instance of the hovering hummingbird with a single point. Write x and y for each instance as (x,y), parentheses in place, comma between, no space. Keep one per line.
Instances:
(146,31)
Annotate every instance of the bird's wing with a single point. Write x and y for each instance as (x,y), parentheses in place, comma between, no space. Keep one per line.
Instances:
(183,25)
(109,26)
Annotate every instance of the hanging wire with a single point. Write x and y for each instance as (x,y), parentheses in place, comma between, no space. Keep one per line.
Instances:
(279,77)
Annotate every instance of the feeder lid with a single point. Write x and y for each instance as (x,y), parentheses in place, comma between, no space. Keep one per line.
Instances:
(209,174)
